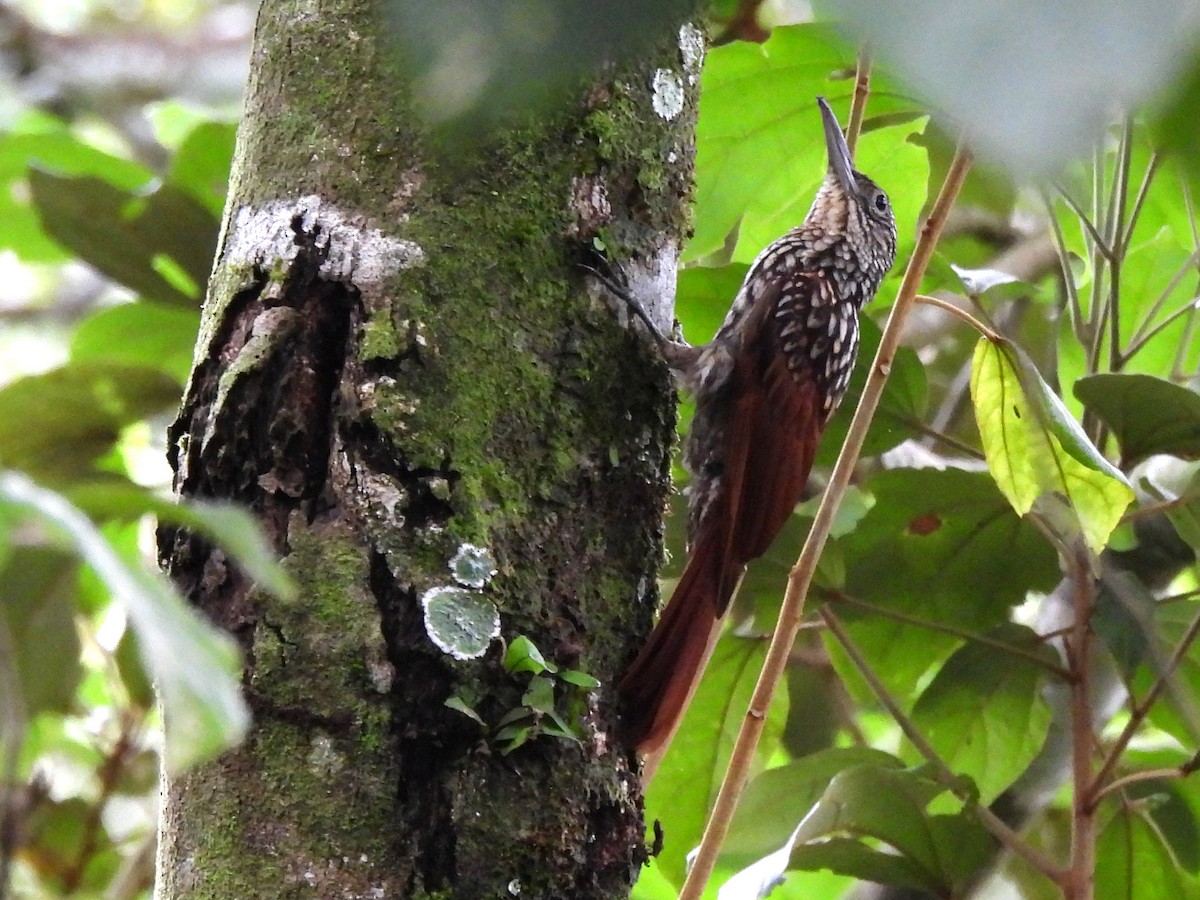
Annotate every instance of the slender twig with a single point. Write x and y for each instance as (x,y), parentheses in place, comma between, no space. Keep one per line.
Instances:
(1178,372)
(1139,201)
(1117,240)
(938,435)
(1191,212)
(1098,240)
(1178,598)
(1119,188)
(1160,301)
(1181,771)
(1161,506)
(13,723)
(943,773)
(862,90)
(792,610)
(962,634)
(1190,307)
(1083,741)
(960,313)
(1142,708)
(108,774)
(1078,325)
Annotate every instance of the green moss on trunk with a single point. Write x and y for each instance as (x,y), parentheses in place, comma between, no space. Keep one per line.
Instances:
(472,390)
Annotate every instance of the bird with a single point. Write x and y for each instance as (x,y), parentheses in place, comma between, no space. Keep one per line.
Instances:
(765,388)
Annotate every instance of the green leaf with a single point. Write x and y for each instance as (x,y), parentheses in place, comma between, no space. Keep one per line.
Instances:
(1176,711)
(983,712)
(524,656)
(579,679)
(690,773)
(1133,861)
(778,799)
(123,234)
(1036,450)
(201,165)
(231,527)
(1148,415)
(760,155)
(57,424)
(139,334)
(39,646)
(55,148)
(847,856)
(1184,505)
(128,657)
(942,852)
(539,695)
(195,666)
(936,546)
(703,297)
(458,704)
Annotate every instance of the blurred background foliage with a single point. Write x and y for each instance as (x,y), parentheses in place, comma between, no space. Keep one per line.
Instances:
(117,123)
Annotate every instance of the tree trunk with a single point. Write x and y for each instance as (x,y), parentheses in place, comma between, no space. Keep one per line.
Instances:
(402,371)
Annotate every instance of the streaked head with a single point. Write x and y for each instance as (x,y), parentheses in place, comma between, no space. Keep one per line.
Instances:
(852,204)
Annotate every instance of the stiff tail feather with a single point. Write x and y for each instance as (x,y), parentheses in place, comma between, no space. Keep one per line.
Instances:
(657,687)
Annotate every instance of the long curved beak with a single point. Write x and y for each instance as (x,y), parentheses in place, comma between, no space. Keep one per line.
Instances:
(835,145)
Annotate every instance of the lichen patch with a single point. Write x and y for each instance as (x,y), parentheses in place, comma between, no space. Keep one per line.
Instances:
(353,253)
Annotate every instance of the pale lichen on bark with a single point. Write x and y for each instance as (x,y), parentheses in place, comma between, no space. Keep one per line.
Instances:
(402,373)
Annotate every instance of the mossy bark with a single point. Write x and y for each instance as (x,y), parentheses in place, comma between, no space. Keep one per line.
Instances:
(400,361)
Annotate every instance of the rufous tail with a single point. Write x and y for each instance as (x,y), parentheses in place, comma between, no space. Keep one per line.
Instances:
(658,685)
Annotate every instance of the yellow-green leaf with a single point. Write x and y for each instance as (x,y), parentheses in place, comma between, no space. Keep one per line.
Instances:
(1036,451)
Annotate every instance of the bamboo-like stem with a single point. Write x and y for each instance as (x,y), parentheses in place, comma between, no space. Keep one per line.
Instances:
(800,578)
(862,90)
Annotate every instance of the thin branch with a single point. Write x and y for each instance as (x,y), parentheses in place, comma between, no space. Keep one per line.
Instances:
(862,90)
(1190,307)
(1181,771)
(1117,239)
(1142,708)
(1064,260)
(792,610)
(938,435)
(943,772)
(1097,239)
(1160,506)
(1178,598)
(930,625)
(1083,743)
(959,313)
(1188,266)
(1178,371)
(1139,201)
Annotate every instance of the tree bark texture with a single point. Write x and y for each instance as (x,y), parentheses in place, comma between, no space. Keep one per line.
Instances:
(401,367)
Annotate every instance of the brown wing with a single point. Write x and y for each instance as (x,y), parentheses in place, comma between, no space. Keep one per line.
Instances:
(769,439)
(775,425)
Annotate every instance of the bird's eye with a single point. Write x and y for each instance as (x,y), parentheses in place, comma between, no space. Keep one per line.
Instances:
(881,202)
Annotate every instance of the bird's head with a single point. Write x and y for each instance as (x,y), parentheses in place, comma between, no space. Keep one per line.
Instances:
(851,205)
